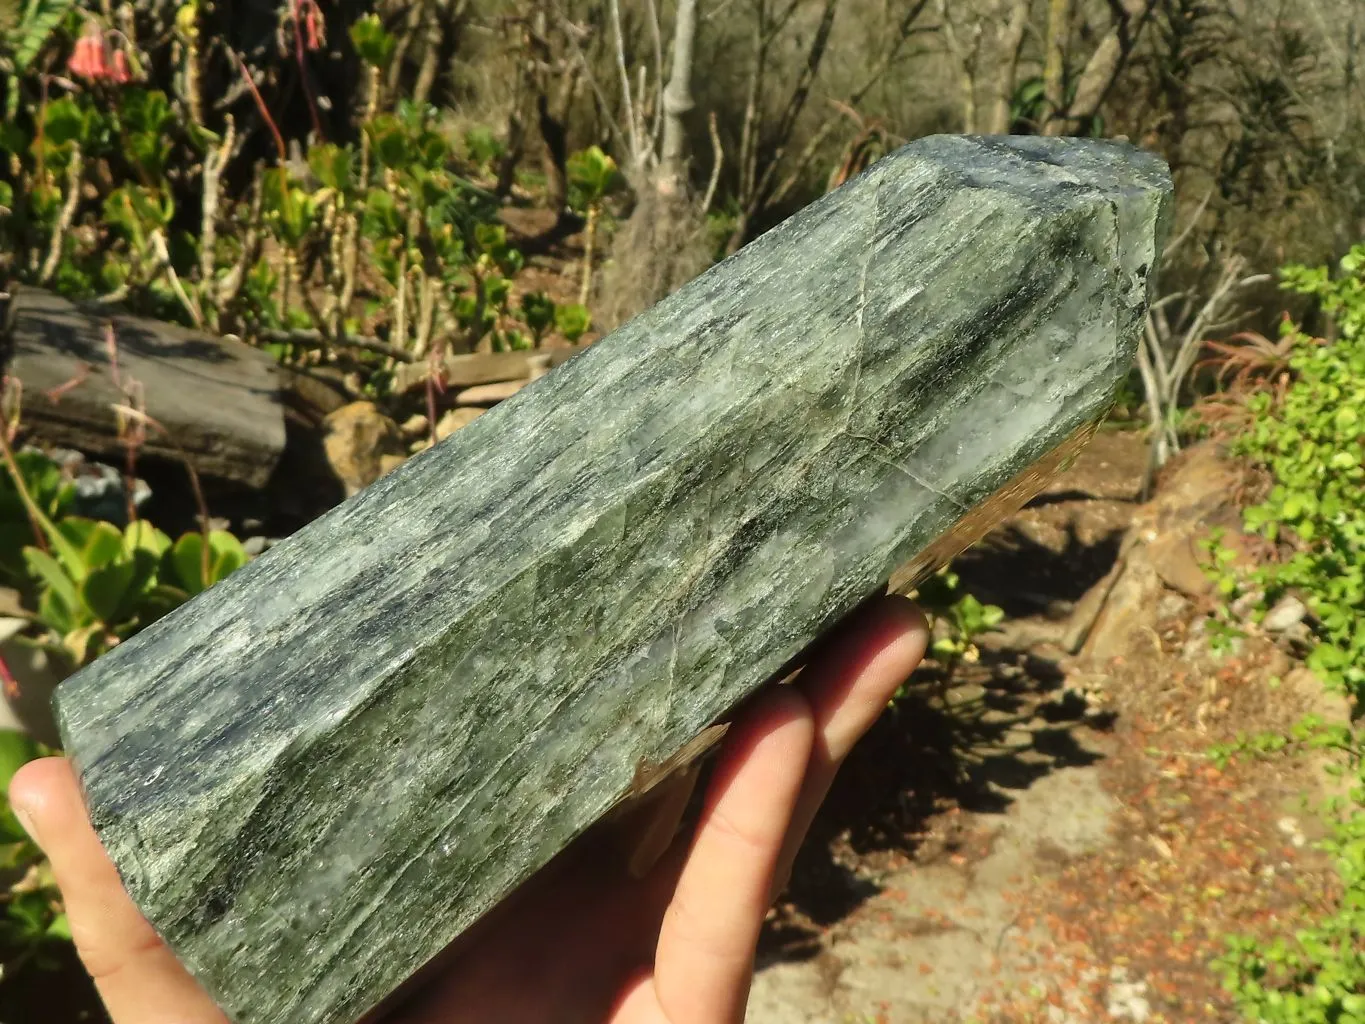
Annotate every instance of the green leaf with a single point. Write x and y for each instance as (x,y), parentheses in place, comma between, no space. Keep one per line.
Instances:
(37,24)
(63,122)
(593,176)
(381,218)
(160,600)
(187,560)
(389,141)
(483,147)
(57,612)
(226,555)
(331,164)
(16,750)
(78,642)
(141,535)
(572,321)
(372,41)
(538,312)
(95,542)
(106,589)
(53,575)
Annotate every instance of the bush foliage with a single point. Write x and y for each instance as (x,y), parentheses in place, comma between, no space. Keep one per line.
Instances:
(1311,442)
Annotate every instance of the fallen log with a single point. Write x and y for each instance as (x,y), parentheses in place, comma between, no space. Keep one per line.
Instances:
(219,400)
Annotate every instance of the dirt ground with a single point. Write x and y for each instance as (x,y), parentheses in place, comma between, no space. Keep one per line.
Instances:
(1063,848)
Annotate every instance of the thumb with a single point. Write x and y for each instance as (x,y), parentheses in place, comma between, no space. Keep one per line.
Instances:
(138,977)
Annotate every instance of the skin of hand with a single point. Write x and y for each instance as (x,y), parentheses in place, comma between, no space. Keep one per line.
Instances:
(582,942)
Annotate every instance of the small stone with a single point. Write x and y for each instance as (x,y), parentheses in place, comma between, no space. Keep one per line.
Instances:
(1129,607)
(1171,606)
(454,420)
(254,546)
(100,489)
(1288,612)
(490,394)
(415,426)
(1245,605)
(1180,564)
(356,438)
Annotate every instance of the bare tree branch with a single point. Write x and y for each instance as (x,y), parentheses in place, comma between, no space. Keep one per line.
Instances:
(677,102)
(1102,70)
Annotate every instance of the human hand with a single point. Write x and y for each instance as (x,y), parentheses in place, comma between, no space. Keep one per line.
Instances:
(582,943)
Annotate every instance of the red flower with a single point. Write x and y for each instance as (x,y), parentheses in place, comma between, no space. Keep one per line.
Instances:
(88,57)
(94,59)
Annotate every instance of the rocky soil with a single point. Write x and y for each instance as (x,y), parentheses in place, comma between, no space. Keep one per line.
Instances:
(1062,845)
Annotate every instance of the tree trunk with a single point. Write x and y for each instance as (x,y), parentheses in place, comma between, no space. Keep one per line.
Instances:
(1104,65)
(677,102)
(555,156)
(1054,61)
(1011,41)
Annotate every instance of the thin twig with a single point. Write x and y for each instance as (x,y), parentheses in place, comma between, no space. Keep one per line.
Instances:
(35,516)
(656,132)
(200,503)
(68,212)
(214,162)
(1188,228)
(571,31)
(231,284)
(614,10)
(717,160)
(303,70)
(260,105)
(162,253)
(57,392)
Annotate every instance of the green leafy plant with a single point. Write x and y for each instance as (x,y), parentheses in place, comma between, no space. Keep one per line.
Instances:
(86,585)
(26,33)
(372,41)
(115,195)
(1310,440)
(92,585)
(572,321)
(593,178)
(31,916)
(961,618)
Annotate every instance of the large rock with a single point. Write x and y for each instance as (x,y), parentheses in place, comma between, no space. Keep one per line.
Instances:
(1165,549)
(319,773)
(362,444)
(218,400)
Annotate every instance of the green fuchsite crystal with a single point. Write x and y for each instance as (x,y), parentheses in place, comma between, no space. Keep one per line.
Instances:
(319,773)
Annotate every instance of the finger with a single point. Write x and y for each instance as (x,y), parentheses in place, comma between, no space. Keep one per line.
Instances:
(138,978)
(704,958)
(848,684)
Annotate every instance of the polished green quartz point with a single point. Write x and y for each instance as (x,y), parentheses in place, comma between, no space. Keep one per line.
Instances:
(319,773)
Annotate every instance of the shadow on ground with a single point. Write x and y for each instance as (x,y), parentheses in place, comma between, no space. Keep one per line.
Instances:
(968,742)
(1025,576)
